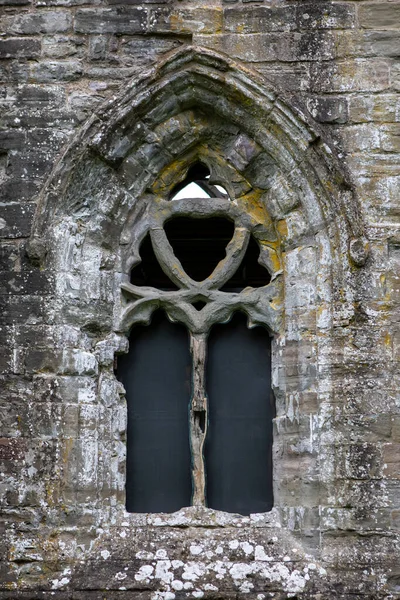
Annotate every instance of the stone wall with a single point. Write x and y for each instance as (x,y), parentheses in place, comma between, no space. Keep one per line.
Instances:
(315,85)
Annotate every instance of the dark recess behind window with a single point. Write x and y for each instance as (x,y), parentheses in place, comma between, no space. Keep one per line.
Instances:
(238,449)
(157,377)
(156,374)
(199,244)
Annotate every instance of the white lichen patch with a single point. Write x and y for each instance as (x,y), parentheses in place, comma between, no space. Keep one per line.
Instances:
(196,549)
(145,573)
(260,554)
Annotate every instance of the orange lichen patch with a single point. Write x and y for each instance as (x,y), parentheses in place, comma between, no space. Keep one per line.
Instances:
(273,255)
(282,228)
(66,450)
(253,206)
(387,340)
(170,176)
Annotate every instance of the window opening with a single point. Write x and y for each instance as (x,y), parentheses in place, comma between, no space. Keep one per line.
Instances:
(199,304)
(191,190)
(250,272)
(148,271)
(238,447)
(197,185)
(199,244)
(222,405)
(156,374)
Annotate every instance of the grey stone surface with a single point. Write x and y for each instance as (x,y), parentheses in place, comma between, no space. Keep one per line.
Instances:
(296,107)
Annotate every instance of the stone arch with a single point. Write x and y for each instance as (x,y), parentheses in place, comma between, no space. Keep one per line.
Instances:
(274,162)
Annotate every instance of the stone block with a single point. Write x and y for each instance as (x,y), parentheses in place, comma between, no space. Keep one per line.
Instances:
(26,283)
(381,43)
(28,309)
(28,165)
(12,256)
(17,189)
(42,22)
(379,15)
(42,360)
(183,21)
(142,49)
(12,449)
(329,109)
(361,461)
(12,139)
(350,76)
(66,3)
(6,358)
(78,362)
(367,107)
(253,19)
(391,460)
(390,137)
(265,19)
(61,70)
(136,2)
(16,220)
(14,2)
(264,47)
(62,46)
(20,48)
(38,96)
(358,138)
(120,20)
(366,43)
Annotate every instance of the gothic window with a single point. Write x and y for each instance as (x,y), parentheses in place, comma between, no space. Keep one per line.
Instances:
(198,373)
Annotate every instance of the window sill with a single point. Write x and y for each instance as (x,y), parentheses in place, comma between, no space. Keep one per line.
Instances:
(199,516)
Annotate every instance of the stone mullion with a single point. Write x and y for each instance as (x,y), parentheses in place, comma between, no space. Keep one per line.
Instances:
(198,416)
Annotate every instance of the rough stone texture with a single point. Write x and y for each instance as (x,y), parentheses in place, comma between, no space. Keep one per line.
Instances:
(300,102)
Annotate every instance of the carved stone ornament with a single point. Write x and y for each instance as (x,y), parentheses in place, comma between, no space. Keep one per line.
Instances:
(261,305)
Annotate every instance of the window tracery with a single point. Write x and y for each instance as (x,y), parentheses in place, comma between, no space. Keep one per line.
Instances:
(211,267)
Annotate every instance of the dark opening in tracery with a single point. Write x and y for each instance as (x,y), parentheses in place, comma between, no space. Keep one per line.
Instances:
(148,271)
(199,244)
(250,273)
(197,185)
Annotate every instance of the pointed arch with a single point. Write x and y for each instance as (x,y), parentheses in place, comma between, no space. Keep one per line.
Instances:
(292,190)
(195,99)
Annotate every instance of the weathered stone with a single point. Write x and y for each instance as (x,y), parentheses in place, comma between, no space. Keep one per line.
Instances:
(111,20)
(379,15)
(183,21)
(352,75)
(295,110)
(324,15)
(329,109)
(16,220)
(282,46)
(42,22)
(20,48)
(50,71)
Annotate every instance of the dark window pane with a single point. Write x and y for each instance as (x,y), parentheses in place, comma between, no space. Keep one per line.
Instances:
(200,244)
(149,272)
(156,374)
(238,449)
(250,272)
